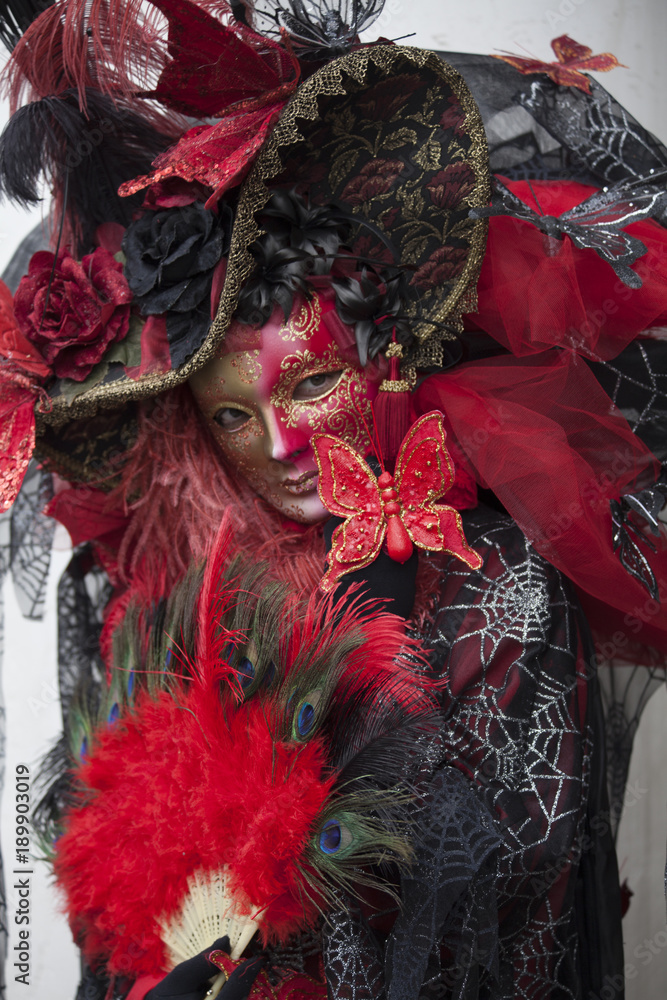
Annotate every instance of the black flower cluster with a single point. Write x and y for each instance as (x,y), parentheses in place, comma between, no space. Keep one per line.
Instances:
(302,242)
(170,259)
(299,242)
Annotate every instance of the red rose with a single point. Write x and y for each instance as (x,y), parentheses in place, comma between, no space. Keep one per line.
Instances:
(450,186)
(84,311)
(374,178)
(444,264)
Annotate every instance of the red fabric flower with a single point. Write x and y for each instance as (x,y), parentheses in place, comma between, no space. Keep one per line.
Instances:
(374,178)
(74,311)
(444,264)
(449,186)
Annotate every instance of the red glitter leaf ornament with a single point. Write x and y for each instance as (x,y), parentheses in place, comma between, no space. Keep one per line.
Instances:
(17,437)
(399,508)
(573,60)
(22,369)
(222,72)
(217,156)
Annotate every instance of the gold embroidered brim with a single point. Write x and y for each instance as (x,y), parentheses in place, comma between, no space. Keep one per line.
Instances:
(393,134)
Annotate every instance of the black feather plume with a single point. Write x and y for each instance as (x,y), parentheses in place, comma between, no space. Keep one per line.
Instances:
(93,152)
(53,790)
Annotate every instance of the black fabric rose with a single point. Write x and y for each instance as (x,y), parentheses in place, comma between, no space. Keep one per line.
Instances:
(170,259)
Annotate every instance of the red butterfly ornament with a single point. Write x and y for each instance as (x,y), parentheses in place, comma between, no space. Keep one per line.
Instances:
(573,59)
(400,508)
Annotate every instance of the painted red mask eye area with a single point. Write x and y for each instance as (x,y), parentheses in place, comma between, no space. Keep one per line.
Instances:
(316,386)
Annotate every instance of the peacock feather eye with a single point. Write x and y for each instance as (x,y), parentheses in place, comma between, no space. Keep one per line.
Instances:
(83,749)
(246,672)
(306,718)
(330,837)
(269,674)
(167,659)
(130,683)
(113,713)
(334,837)
(305,715)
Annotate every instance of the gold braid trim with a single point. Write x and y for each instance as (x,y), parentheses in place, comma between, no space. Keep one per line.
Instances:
(394,385)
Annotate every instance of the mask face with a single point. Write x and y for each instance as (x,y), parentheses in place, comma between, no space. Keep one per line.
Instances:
(263,405)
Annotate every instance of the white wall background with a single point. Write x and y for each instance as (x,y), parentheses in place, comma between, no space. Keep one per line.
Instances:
(636,32)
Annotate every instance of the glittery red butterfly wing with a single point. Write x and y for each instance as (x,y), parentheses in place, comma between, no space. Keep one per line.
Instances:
(578,56)
(424,473)
(348,489)
(567,51)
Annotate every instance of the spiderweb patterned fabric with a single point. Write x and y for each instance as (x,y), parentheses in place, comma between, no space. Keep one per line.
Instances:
(518,676)
(636,382)
(599,133)
(455,846)
(352,956)
(447,895)
(511,835)
(537,130)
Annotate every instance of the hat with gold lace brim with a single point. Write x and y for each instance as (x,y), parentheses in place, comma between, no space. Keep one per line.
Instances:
(122,309)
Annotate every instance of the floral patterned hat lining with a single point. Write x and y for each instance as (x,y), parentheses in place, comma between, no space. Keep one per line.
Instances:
(391,133)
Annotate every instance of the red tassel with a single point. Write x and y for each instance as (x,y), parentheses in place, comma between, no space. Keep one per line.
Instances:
(392,407)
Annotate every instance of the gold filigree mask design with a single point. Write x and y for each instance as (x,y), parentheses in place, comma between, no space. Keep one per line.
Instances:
(302,386)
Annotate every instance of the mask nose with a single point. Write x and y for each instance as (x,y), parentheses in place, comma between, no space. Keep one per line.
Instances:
(283,444)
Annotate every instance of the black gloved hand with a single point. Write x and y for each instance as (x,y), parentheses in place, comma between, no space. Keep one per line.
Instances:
(384,577)
(191,979)
(239,984)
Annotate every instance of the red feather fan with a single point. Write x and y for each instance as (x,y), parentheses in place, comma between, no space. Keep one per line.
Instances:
(223,761)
